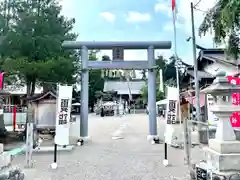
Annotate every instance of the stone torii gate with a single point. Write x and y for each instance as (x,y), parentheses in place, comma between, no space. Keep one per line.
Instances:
(149,64)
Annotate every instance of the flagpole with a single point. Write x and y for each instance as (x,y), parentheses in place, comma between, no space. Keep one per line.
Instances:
(185,123)
(176,63)
(165,161)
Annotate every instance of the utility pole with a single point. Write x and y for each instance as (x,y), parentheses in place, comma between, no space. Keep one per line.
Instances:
(187,131)
(196,78)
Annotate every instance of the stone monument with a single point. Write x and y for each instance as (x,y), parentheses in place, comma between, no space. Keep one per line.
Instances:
(223,152)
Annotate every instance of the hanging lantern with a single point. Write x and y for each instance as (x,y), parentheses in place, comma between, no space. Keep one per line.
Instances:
(114,73)
(133,73)
(110,74)
(117,73)
(106,73)
(102,73)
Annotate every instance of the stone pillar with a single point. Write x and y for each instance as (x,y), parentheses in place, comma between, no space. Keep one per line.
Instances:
(84,94)
(152,93)
(30,138)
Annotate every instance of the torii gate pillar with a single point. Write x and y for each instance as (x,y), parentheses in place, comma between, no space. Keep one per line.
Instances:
(150,64)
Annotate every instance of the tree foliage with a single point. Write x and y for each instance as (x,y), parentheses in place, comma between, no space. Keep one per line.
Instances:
(168,68)
(31,48)
(169,77)
(224,19)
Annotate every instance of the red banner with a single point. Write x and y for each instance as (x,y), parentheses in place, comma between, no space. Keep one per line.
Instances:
(233,80)
(236,99)
(235,117)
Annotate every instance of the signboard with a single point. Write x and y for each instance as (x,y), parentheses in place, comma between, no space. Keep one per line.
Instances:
(63,109)
(235,117)
(201,173)
(118,53)
(171,112)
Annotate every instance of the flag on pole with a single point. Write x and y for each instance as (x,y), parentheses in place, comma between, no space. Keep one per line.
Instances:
(173,5)
(174,11)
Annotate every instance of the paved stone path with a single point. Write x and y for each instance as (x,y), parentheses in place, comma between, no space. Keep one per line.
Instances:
(131,158)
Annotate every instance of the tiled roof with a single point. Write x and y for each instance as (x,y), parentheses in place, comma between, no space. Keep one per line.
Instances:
(201,74)
(219,55)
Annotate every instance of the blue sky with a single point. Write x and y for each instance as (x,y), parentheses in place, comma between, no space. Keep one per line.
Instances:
(137,20)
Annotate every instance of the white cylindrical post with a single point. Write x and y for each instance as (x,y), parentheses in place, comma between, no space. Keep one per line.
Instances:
(29,137)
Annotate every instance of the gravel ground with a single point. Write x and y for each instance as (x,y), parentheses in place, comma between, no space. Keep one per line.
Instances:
(131,158)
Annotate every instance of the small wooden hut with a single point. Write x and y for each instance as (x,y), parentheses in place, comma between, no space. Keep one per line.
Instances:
(44,106)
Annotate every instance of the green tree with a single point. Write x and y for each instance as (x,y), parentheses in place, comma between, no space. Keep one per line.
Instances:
(223,18)
(169,77)
(32,44)
(144,94)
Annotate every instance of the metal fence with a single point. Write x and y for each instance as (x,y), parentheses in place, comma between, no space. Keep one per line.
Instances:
(8,116)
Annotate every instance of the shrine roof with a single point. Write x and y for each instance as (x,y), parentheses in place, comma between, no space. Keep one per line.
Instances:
(207,56)
(41,96)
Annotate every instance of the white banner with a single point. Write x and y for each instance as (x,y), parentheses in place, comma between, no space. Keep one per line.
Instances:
(63,110)
(172,131)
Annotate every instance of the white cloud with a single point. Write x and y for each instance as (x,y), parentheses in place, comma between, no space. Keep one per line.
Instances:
(62,2)
(204,5)
(184,16)
(184,21)
(66,8)
(133,16)
(163,7)
(108,16)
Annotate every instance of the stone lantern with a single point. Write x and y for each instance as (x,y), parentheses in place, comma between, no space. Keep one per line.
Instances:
(223,153)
